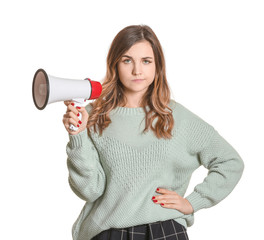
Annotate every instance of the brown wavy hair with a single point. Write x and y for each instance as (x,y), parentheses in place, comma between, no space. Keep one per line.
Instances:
(157,96)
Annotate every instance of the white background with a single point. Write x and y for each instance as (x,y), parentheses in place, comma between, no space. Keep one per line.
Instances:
(214,57)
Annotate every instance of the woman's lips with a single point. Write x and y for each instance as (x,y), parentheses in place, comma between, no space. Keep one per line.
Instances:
(137,80)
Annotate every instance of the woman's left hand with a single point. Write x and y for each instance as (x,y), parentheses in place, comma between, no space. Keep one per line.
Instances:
(171,199)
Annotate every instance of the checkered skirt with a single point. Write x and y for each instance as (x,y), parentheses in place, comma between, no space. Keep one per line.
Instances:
(169,230)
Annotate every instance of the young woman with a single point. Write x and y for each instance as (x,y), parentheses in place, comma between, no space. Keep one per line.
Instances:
(133,155)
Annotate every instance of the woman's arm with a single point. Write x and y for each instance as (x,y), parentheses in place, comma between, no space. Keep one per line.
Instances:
(86,175)
(224,164)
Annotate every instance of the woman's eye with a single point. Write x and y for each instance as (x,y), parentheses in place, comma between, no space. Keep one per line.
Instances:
(147,61)
(127,60)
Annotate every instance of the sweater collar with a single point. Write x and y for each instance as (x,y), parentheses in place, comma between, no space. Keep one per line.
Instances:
(129,111)
(134,111)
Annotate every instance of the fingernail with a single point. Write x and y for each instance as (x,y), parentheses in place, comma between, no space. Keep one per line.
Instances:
(72,104)
(78,125)
(78,114)
(162,204)
(153,198)
(157,189)
(80,122)
(78,107)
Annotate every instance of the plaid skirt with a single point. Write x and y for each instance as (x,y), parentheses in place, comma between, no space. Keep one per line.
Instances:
(169,230)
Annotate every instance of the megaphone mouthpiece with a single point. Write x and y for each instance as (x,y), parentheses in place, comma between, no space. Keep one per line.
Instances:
(96,89)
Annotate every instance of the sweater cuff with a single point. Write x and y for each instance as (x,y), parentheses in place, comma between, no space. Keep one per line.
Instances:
(196,201)
(79,139)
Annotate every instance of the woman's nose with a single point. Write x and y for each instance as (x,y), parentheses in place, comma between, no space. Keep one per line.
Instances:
(137,69)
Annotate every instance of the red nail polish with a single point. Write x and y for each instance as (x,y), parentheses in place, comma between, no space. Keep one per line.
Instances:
(153,198)
(78,115)
(72,104)
(78,107)
(157,189)
(78,125)
(162,204)
(80,122)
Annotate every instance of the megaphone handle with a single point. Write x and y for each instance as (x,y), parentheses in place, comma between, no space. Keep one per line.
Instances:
(80,102)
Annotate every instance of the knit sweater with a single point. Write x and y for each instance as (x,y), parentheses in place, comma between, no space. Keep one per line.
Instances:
(117,174)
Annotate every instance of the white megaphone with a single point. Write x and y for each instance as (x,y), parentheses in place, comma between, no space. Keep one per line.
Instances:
(48,89)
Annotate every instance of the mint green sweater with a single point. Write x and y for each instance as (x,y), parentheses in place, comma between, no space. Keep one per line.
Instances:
(118,173)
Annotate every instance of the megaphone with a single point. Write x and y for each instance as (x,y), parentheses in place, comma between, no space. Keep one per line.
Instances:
(48,89)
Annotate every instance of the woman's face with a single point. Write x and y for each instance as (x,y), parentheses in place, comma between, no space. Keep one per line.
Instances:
(136,69)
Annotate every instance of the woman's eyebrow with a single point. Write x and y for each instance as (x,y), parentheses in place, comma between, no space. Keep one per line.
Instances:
(132,58)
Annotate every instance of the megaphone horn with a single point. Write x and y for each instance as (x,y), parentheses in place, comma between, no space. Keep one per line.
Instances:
(48,89)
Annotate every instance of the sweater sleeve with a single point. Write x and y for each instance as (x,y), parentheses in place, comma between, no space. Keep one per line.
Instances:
(224,164)
(86,175)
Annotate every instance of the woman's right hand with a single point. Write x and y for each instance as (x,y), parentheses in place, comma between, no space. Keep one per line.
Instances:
(71,117)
